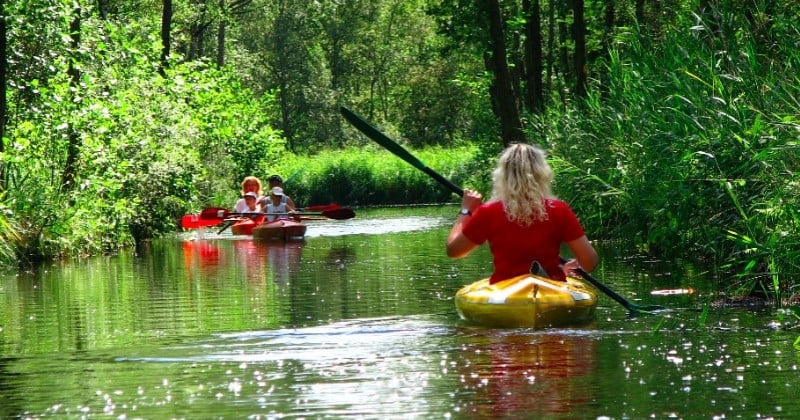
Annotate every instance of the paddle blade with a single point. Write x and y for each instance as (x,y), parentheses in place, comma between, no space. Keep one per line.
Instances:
(397,149)
(380,138)
(321,207)
(194,221)
(341,213)
(214,213)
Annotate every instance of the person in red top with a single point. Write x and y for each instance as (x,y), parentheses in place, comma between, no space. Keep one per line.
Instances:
(522,222)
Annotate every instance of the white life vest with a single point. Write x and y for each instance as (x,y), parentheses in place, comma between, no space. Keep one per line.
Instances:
(272,210)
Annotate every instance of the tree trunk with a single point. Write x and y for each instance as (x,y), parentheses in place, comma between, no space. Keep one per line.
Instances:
(510,122)
(640,12)
(73,146)
(166,27)
(534,95)
(563,38)
(564,67)
(609,26)
(102,9)
(197,31)
(3,93)
(223,20)
(579,36)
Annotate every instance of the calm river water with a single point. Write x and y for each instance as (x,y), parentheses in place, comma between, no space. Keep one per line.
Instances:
(359,321)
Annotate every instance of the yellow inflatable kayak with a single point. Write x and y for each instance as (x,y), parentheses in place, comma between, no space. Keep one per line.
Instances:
(527,301)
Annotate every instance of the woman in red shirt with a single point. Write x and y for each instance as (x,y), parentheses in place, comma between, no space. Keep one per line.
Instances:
(523,222)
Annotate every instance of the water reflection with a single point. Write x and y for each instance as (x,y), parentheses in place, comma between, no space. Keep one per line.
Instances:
(376,226)
(521,373)
(359,321)
(261,262)
(200,254)
(278,262)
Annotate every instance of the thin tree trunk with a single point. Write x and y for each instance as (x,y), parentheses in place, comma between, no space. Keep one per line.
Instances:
(564,67)
(610,21)
(102,9)
(3,93)
(551,46)
(579,36)
(73,147)
(166,28)
(510,122)
(221,35)
(640,12)
(534,97)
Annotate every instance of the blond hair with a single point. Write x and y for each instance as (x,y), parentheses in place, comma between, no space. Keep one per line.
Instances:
(248,180)
(522,181)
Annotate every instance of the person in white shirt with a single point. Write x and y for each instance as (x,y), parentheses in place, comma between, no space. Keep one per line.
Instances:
(277,181)
(249,204)
(278,206)
(250,184)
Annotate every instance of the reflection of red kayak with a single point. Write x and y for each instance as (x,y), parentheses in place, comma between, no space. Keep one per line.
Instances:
(245,226)
(279,230)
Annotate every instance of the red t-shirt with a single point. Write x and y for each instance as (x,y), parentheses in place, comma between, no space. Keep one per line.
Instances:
(514,247)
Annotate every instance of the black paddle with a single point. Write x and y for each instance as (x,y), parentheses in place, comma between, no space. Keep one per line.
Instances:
(614,295)
(341,213)
(397,149)
(402,153)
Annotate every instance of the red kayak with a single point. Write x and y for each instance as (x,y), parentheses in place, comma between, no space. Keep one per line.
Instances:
(245,226)
(279,230)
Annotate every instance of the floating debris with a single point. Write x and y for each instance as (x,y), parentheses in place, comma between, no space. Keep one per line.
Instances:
(666,292)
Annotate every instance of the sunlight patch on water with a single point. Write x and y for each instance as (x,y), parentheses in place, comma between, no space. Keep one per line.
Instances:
(358,340)
(372,226)
(328,228)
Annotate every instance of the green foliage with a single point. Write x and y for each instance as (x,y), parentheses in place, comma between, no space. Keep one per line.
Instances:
(692,150)
(371,175)
(150,148)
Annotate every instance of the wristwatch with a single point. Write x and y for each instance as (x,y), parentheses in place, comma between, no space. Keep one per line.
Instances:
(465,212)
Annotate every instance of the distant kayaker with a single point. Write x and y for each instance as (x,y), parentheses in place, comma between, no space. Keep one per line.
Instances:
(278,206)
(250,184)
(251,204)
(277,181)
(522,222)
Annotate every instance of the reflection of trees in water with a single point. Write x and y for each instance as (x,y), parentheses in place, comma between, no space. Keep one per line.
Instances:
(10,401)
(339,257)
(285,260)
(530,375)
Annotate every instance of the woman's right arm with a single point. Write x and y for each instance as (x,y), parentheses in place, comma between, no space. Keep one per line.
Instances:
(458,245)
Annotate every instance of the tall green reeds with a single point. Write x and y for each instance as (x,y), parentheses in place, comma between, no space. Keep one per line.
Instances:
(371,175)
(692,149)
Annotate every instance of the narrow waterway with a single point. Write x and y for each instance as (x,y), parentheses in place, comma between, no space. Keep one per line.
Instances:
(358,320)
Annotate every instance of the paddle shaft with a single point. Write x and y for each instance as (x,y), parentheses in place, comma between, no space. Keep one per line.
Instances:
(334,213)
(402,153)
(398,150)
(612,294)
(341,213)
